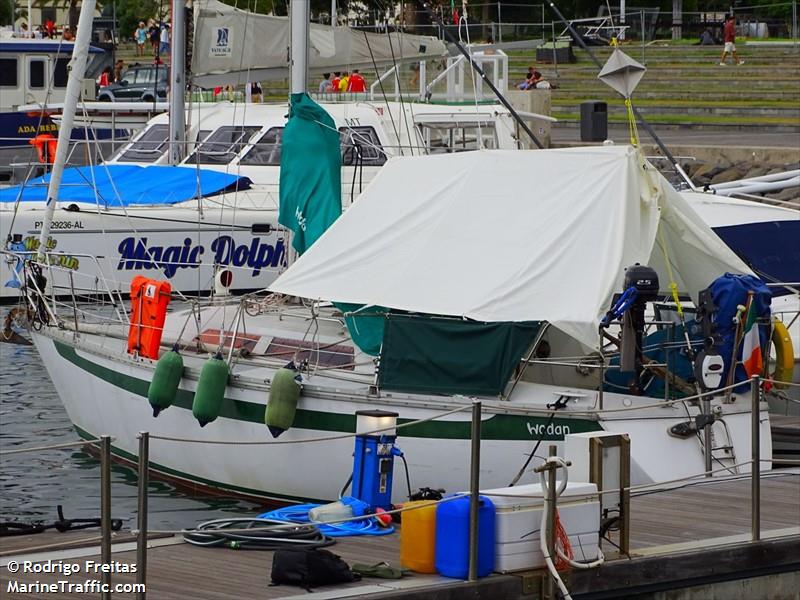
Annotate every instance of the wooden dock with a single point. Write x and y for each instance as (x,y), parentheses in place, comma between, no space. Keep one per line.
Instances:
(676,537)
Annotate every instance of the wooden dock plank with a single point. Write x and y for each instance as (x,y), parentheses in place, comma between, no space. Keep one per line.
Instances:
(699,512)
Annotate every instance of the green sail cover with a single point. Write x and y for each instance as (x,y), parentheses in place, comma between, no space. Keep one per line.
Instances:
(311,194)
(311,172)
(450,356)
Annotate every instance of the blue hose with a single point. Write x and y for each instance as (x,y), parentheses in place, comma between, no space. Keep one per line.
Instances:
(298,513)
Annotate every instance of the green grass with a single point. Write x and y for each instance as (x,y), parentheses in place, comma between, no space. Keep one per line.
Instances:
(681,103)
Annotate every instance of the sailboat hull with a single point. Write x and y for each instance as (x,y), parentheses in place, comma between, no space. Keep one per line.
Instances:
(97,251)
(105,394)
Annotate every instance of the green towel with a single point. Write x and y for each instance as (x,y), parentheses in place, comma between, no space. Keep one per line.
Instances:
(382,570)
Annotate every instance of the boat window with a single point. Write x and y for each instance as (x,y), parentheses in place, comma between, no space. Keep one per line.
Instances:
(60,75)
(36,74)
(149,147)
(267,150)
(222,146)
(443,138)
(361,146)
(8,72)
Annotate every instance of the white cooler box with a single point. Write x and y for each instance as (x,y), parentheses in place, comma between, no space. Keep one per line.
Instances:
(518,521)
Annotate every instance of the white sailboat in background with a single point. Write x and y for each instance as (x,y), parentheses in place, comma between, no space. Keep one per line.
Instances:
(206,198)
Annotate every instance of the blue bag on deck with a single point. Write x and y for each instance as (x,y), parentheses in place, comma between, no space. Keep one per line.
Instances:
(728,292)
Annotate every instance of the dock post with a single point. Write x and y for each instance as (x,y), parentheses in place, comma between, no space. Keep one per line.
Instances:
(141,537)
(755,466)
(549,588)
(105,512)
(474,490)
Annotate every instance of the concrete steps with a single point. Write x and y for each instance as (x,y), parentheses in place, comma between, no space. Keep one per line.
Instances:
(685,87)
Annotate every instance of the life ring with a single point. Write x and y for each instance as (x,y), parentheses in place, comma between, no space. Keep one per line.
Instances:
(784,355)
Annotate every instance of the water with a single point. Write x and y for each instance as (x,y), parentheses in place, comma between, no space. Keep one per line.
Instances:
(33,484)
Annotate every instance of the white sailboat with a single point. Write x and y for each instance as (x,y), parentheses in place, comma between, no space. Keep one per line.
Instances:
(411,245)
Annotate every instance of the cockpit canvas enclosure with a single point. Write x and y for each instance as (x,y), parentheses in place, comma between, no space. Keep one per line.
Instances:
(511,236)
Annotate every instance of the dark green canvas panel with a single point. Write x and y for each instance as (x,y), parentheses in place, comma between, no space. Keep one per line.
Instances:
(451,356)
(366,327)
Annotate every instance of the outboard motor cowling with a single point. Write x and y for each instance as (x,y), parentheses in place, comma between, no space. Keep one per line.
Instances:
(644,280)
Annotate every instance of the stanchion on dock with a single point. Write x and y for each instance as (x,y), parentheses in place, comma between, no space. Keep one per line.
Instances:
(755,466)
(141,538)
(474,489)
(105,512)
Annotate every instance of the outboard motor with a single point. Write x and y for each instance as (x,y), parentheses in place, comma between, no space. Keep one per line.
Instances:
(643,280)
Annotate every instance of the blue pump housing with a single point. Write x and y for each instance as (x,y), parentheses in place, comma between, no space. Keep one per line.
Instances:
(373,467)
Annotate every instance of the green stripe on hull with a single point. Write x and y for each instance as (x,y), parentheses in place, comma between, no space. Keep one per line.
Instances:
(496,427)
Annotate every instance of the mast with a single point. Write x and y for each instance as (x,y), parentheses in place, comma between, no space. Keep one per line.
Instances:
(77,69)
(298,45)
(177,83)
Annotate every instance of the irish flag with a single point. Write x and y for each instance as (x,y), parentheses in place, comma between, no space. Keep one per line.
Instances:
(751,350)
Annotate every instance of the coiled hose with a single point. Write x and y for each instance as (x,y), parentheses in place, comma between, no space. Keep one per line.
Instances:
(298,513)
(267,534)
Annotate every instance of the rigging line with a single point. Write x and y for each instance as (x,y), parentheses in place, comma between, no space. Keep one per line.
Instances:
(147,250)
(383,93)
(650,131)
(399,86)
(250,7)
(523,125)
(472,75)
(355,134)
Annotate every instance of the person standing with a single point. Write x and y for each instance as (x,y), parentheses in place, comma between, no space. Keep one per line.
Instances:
(729,32)
(344,81)
(356,83)
(337,78)
(67,35)
(256,93)
(325,85)
(118,67)
(140,35)
(155,36)
(164,47)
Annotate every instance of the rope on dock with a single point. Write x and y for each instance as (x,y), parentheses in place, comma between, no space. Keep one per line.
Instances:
(310,440)
(52,447)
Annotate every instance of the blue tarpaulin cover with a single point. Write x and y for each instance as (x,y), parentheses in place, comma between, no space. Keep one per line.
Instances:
(728,292)
(128,185)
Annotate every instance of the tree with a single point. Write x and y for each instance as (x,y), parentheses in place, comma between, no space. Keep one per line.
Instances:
(7,12)
(130,12)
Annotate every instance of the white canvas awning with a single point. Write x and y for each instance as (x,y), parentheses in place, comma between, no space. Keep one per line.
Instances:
(510,236)
(233,46)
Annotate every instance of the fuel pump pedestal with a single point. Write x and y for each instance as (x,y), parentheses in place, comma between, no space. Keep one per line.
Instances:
(373,457)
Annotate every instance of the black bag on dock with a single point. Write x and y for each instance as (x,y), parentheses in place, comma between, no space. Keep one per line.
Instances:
(310,568)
